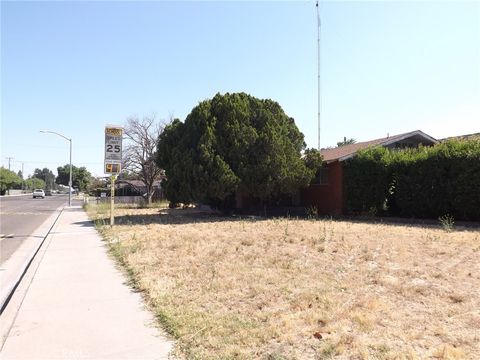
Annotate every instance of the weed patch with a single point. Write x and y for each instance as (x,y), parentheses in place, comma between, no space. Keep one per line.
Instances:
(284,288)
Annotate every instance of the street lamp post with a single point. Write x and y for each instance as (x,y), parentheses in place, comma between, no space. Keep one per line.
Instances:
(70,178)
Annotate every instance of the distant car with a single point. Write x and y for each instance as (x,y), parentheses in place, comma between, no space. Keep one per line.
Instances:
(48,192)
(38,193)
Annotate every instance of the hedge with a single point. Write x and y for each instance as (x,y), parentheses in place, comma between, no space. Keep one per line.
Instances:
(425,182)
(366,180)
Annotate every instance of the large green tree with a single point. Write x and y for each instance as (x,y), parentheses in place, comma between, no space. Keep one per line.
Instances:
(232,143)
(80,176)
(34,183)
(8,180)
(46,175)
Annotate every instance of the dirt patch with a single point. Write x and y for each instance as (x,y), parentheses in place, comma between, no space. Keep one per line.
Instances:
(303,289)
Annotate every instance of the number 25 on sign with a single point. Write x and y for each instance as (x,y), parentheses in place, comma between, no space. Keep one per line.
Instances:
(113,149)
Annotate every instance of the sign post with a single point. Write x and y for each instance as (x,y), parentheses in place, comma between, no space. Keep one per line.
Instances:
(112,200)
(113,161)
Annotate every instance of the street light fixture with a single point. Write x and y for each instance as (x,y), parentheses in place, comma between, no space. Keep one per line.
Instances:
(70,180)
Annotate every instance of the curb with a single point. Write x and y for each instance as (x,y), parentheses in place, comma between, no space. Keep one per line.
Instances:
(9,289)
(15,195)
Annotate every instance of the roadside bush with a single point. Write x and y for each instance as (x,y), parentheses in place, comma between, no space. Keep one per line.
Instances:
(366,181)
(466,186)
(438,180)
(425,182)
(420,185)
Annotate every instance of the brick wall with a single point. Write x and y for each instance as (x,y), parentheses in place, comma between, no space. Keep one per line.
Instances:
(328,198)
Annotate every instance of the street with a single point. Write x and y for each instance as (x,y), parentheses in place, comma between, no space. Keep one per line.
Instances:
(20,216)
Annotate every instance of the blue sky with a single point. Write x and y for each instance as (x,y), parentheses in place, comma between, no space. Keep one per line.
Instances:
(386,67)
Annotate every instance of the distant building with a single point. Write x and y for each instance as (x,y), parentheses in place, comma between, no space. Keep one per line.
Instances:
(138,188)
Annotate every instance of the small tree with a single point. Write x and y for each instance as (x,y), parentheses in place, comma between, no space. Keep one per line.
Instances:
(313,161)
(34,183)
(8,179)
(346,142)
(97,183)
(140,150)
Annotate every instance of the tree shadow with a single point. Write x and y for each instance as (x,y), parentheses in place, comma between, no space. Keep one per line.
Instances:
(178,216)
(173,217)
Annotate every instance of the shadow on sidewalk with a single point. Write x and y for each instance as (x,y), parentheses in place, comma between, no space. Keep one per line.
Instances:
(85,223)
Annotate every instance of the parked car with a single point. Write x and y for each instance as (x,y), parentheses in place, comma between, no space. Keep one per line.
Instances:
(48,192)
(38,193)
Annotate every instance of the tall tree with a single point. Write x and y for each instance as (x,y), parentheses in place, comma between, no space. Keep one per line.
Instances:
(80,176)
(140,150)
(232,143)
(46,175)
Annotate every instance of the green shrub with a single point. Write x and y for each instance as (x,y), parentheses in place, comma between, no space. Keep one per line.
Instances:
(447,222)
(424,182)
(366,180)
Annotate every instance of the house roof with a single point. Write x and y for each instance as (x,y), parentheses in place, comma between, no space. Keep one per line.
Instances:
(137,183)
(475,136)
(345,152)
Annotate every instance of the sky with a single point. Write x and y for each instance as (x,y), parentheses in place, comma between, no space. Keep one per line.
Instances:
(386,68)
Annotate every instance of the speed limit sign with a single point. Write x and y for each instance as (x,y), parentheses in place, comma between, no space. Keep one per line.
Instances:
(113,149)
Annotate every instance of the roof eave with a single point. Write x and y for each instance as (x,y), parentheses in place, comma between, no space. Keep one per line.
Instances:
(391,141)
(410,134)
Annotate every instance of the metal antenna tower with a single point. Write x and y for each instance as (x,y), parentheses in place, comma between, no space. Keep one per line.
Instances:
(318,78)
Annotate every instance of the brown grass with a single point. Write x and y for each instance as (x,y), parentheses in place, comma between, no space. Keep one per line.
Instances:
(230,288)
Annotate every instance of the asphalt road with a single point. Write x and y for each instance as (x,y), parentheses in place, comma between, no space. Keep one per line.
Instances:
(20,216)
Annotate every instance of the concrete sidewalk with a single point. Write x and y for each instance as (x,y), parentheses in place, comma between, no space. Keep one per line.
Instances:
(73,303)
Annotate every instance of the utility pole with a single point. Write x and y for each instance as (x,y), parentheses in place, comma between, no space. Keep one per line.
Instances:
(70,176)
(23,177)
(318,78)
(9,159)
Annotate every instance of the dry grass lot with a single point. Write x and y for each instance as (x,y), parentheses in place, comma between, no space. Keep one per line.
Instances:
(229,288)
